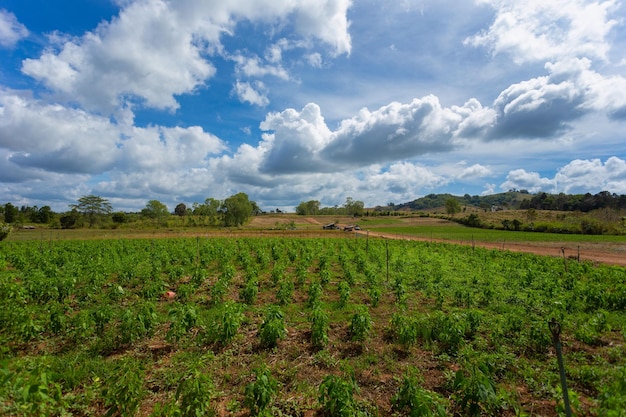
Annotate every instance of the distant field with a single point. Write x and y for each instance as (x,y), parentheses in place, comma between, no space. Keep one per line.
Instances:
(458,232)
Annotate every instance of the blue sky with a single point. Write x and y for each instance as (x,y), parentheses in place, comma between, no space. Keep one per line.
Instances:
(295,100)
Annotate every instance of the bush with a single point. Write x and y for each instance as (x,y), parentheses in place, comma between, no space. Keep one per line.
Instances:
(5,231)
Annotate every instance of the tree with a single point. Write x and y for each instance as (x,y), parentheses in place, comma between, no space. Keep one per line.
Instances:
(452,206)
(353,207)
(236,209)
(10,213)
(155,210)
(180,210)
(310,207)
(92,206)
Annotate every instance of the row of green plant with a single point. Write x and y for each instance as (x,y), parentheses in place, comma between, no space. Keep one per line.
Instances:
(281,326)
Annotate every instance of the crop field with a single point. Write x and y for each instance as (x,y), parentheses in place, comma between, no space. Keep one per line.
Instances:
(296,326)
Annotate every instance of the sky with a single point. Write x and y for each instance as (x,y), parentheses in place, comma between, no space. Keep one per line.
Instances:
(297,100)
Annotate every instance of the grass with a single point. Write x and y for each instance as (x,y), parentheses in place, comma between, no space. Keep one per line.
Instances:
(455,232)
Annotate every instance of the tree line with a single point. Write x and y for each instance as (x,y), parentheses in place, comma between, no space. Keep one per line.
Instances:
(91,210)
(351,207)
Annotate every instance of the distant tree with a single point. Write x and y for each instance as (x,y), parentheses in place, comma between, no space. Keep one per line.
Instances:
(256,210)
(452,206)
(44,214)
(308,208)
(10,213)
(119,217)
(210,208)
(353,207)
(531,214)
(180,210)
(69,220)
(155,210)
(236,209)
(92,207)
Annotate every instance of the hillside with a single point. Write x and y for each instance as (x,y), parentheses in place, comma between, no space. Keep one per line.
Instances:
(509,199)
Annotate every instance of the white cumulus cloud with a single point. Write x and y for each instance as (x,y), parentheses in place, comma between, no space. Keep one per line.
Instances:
(11,30)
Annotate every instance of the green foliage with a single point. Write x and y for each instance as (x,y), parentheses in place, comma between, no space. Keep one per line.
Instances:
(194,394)
(285,292)
(475,391)
(5,230)
(228,323)
(319,327)
(416,401)
(315,293)
(37,394)
(249,292)
(336,396)
(236,210)
(182,318)
(344,293)
(361,324)
(405,329)
(124,390)
(93,207)
(272,328)
(613,394)
(260,393)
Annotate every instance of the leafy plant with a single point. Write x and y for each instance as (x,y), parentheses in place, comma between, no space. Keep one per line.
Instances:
(259,394)
(475,391)
(228,323)
(194,393)
(336,396)
(249,292)
(285,292)
(361,324)
(344,293)
(272,328)
(319,327)
(182,318)
(315,293)
(124,390)
(416,401)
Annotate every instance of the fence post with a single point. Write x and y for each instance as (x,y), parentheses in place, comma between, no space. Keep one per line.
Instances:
(555,329)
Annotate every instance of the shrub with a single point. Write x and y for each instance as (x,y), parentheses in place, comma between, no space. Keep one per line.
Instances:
(5,230)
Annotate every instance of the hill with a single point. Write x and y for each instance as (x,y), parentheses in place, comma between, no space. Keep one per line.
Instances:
(510,199)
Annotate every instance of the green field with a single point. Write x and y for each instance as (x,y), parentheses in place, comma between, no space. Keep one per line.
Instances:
(455,232)
(282,326)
